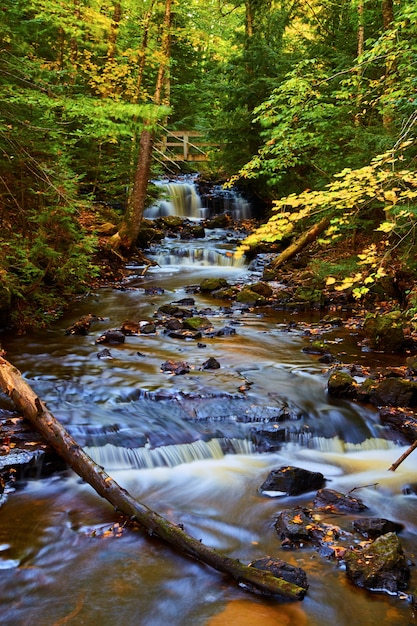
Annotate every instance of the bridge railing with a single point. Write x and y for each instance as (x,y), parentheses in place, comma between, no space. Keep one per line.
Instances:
(183,145)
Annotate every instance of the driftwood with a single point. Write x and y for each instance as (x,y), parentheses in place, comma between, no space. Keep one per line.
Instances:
(300,243)
(35,410)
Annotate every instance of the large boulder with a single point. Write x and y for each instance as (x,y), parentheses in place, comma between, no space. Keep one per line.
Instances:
(292,481)
(380,566)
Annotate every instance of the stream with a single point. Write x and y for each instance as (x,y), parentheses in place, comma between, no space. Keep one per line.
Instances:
(187,446)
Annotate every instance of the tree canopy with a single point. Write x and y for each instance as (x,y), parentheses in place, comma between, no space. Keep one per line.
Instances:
(312,101)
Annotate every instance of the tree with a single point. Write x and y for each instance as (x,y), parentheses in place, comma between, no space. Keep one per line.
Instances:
(129,228)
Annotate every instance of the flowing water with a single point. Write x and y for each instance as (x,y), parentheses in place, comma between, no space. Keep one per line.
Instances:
(185,446)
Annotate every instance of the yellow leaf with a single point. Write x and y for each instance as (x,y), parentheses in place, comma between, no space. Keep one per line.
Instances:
(330,281)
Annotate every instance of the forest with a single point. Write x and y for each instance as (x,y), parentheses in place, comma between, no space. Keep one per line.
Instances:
(312,104)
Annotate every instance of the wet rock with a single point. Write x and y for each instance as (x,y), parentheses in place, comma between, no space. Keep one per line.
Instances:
(130,328)
(154,291)
(211,364)
(293,525)
(173,311)
(170,221)
(342,385)
(226,293)
(173,324)
(263,289)
(248,296)
(197,323)
(147,328)
(104,354)
(401,420)
(175,367)
(395,392)
(226,331)
(374,527)
(269,440)
(381,566)
(385,332)
(292,481)
(184,333)
(335,501)
(111,336)
(212,284)
(82,326)
(193,232)
(185,302)
(282,569)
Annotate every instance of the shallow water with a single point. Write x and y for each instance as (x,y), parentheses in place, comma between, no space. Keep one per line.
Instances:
(183,445)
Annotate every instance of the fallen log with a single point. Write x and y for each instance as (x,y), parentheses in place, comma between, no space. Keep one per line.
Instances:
(300,243)
(26,401)
(403,457)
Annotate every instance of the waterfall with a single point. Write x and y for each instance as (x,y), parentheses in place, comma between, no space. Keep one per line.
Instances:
(181,198)
(113,457)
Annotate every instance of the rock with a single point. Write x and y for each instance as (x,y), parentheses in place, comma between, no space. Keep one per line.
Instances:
(211,364)
(395,392)
(212,284)
(385,332)
(226,331)
(292,481)
(193,232)
(176,367)
(335,501)
(282,569)
(197,323)
(104,354)
(293,524)
(248,296)
(342,385)
(184,333)
(173,324)
(111,336)
(263,289)
(173,311)
(147,328)
(402,420)
(130,328)
(374,527)
(381,566)
(82,326)
(269,440)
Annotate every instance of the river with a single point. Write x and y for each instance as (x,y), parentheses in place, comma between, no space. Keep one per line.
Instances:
(184,445)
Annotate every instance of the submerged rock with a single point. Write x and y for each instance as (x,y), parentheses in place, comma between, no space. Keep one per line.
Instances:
(292,481)
(380,566)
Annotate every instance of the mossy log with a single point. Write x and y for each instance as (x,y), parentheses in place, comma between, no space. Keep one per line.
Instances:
(26,401)
(300,243)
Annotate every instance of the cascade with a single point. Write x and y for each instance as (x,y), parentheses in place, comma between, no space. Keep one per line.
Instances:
(181,197)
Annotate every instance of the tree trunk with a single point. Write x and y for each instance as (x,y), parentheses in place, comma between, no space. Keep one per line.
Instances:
(301,243)
(129,228)
(390,66)
(35,410)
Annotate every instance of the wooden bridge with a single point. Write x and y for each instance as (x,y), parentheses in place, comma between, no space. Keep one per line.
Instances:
(183,145)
